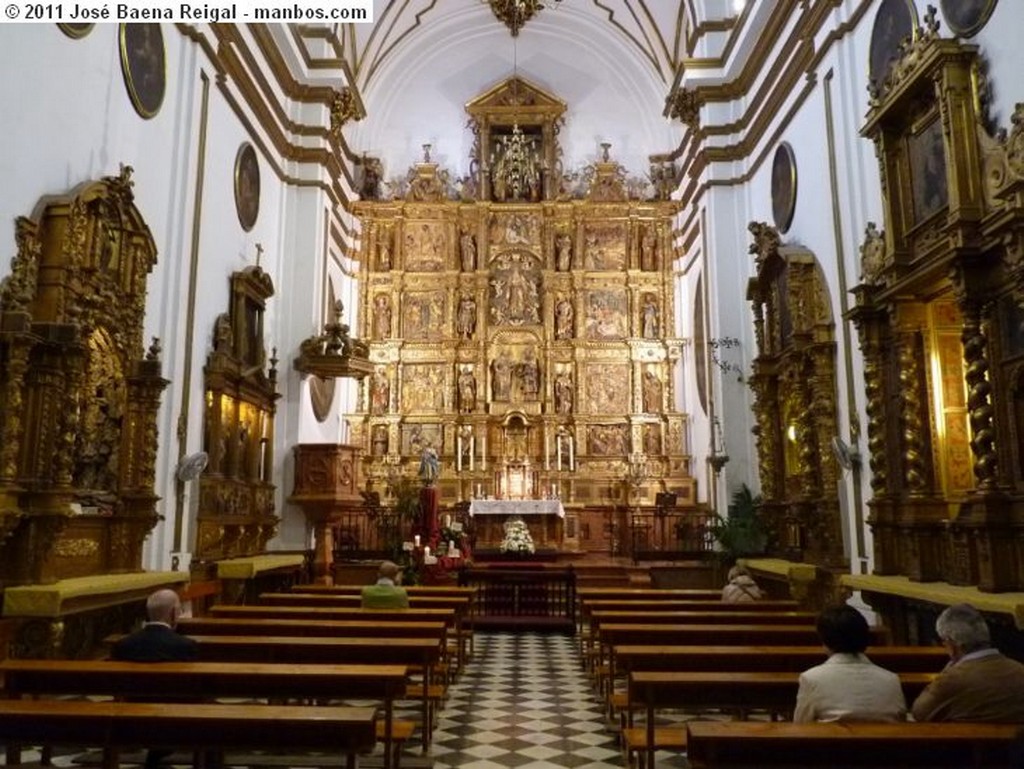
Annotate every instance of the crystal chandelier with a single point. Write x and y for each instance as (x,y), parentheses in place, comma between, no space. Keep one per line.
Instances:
(515,159)
(515,13)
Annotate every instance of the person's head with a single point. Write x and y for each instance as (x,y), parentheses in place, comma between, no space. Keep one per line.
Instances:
(962,630)
(843,629)
(390,570)
(164,606)
(738,571)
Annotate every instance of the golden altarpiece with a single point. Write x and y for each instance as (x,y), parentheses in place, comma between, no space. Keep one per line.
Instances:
(236,516)
(521,331)
(79,395)
(794,387)
(939,312)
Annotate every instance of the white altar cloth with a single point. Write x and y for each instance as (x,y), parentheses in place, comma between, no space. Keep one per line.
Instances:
(516,507)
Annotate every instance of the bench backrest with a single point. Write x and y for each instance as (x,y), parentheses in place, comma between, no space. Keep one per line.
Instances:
(736,617)
(310,627)
(900,659)
(447,616)
(714,634)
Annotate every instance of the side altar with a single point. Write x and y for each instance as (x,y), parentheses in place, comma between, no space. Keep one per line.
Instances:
(544,517)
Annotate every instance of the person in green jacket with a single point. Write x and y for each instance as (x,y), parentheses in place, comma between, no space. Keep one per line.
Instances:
(386,593)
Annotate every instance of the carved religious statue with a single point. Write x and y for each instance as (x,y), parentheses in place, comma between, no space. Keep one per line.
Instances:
(465,320)
(650,318)
(563,319)
(382,317)
(563,393)
(529,376)
(514,285)
(652,393)
(380,392)
(501,376)
(467,390)
(380,440)
(648,255)
(563,261)
(384,251)
(468,247)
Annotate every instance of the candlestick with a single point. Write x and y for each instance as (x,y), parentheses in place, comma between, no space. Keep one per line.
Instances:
(483,454)
(426,552)
(416,541)
(558,451)
(447,521)
(572,455)
(547,451)
(472,452)
(458,453)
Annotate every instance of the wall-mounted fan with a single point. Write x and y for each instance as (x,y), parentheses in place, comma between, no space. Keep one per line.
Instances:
(847,457)
(191,466)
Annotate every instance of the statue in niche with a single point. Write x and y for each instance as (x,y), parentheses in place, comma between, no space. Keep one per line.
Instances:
(467,391)
(380,441)
(223,336)
(514,291)
(563,319)
(429,465)
(465,320)
(501,376)
(563,393)
(380,392)
(373,170)
(652,440)
(382,317)
(652,393)
(529,375)
(648,250)
(563,259)
(384,252)
(650,318)
(468,245)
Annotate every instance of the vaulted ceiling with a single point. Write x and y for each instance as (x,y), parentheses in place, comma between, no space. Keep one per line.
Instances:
(612,61)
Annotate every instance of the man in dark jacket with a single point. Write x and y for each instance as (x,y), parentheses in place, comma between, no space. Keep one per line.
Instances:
(157,641)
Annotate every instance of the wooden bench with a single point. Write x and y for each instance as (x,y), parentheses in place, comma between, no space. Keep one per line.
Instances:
(424,653)
(115,726)
(746,745)
(737,692)
(204,681)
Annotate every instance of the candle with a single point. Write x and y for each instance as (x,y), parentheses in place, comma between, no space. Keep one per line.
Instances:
(447,521)
(416,541)
(479,491)
(426,552)
(451,544)
(572,455)
(458,453)
(472,452)
(558,451)
(483,454)
(547,451)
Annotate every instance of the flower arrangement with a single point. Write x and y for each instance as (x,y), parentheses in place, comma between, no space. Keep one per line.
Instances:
(517,537)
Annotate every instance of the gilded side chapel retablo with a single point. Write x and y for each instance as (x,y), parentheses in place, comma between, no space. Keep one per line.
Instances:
(79,390)
(523,316)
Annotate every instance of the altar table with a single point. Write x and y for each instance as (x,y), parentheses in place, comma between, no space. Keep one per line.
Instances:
(544,517)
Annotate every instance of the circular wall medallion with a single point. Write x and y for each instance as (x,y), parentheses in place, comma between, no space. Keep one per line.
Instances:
(247,186)
(894,23)
(76,30)
(143,64)
(783,187)
(321,395)
(966,17)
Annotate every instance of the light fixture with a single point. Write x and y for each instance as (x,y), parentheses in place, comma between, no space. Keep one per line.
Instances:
(739,6)
(515,13)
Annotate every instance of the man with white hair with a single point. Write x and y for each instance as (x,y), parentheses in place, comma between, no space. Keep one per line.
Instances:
(979,683)
(157,641)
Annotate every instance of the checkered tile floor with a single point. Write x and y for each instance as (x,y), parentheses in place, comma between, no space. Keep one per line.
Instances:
(524,703)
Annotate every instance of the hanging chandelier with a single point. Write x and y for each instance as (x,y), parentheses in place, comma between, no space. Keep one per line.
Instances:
(515,160)
(515,13)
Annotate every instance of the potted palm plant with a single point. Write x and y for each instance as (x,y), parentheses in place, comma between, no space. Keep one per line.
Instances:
(742,533)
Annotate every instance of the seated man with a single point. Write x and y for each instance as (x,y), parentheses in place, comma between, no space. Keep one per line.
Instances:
(386,593)
(848,686)
(979,683)
(157,641)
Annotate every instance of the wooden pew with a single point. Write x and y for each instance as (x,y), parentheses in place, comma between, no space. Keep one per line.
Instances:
(114,726)
(311,627)
(594,593)
(203,681)
(449,616)
(738,692)
(413,590)
(746,745)
(423,653)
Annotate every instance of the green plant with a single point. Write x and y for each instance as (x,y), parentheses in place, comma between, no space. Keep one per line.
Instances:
(742,532)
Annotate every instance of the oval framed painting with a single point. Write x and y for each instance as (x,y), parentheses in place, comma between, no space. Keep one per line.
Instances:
(76,30)
(143,64)
(247,186)
(965,18)
(783,187)
(895,22)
